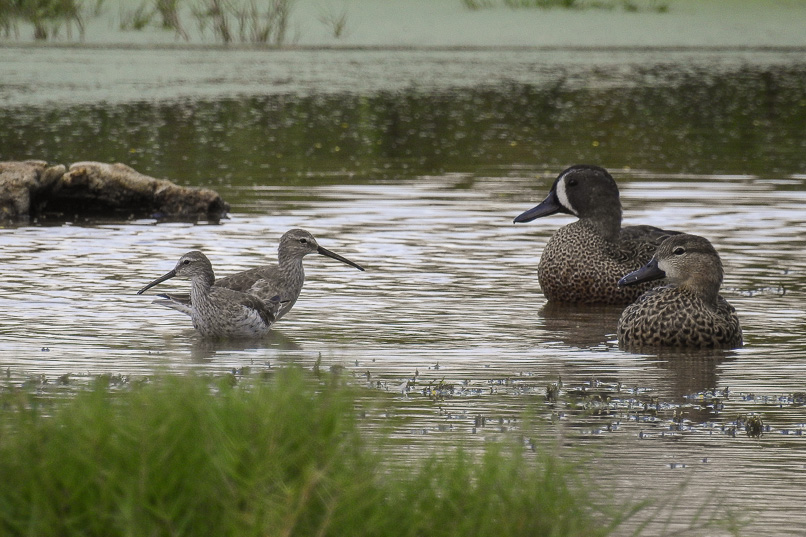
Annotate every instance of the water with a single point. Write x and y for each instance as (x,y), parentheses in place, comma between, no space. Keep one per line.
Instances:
(448,324)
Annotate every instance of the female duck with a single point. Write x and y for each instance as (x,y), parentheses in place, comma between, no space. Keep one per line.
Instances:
(583,261)
(689,312)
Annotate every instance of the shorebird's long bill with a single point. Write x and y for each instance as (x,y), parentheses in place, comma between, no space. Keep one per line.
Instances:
(157,281)
(325,251)
(647,273)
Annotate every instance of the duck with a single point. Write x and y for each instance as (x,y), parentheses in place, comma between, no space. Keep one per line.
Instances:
(284,279)
(687,312)
(219,312)
(584,260)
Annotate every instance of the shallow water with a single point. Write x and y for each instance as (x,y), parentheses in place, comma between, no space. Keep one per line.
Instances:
(450,292)
(448,322)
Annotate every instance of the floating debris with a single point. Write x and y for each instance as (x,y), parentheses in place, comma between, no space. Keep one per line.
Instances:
(753,425)
(553,390)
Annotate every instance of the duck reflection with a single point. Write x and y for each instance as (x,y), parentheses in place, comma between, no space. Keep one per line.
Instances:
(691,379)
(694,379)
(581,326)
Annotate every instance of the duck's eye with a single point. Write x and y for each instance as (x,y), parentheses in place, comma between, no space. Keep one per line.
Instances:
(186,262)
(679,250)
(303,241)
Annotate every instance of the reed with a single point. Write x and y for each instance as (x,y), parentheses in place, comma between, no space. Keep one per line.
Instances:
(48,17)
(631,6)
(257,21)
(335,19)
(478,4)
(137,18)
(544,4)
(169,12)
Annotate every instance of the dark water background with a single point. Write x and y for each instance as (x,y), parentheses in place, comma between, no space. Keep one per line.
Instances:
(413,163)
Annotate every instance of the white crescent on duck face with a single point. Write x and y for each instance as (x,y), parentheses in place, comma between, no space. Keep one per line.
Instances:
(562,194)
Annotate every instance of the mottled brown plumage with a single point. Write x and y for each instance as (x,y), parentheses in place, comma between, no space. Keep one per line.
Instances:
(583,261)
(688,312)
(284,279)
(218,312)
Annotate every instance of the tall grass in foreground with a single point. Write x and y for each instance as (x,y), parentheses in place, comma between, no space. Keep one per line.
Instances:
(284,456)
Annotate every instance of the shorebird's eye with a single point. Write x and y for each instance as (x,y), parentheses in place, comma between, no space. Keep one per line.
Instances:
(679,250)
(186,262)
(303,241)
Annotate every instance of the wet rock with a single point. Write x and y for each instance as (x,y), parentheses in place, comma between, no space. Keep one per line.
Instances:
(22,183)
(101,189)
(31,189)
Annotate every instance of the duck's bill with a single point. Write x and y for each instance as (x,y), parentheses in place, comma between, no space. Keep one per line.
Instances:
(548,206)
(647,273)
(277,299)
(328,253)
(157,282)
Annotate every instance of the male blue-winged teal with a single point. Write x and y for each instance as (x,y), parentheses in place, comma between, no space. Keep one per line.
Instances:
(583,261)
(284,279)
(218,312)
(688,312)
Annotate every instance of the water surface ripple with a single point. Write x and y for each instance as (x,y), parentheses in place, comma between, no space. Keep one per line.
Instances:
(449,321)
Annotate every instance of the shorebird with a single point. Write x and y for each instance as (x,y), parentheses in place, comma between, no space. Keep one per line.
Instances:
(218,312)
(283,280)
(689,311)
(583,261)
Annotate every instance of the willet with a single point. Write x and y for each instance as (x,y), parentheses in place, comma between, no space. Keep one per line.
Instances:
(583,261)
(283,280)
(218,312)
(689,312)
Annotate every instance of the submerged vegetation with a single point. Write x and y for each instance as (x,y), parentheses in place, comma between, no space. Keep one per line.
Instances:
(284,455)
